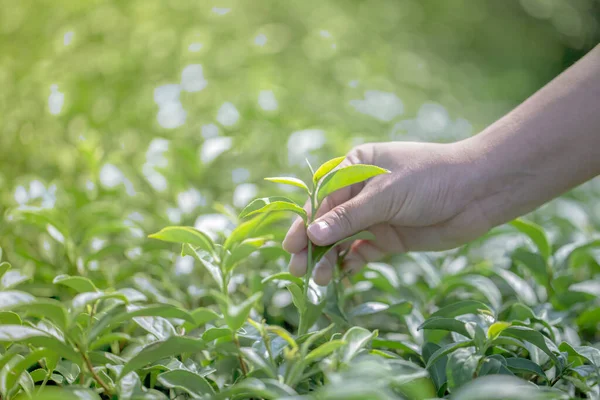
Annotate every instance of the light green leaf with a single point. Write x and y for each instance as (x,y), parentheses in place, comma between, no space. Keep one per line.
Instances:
(212,269)
(324,350)
(201,316)
(80,301)
(13,278)
(449,348)
(162,349)
(79,283)
(355,339)
(236,314)
(13,375)
(185,234)
(283,276)
(320,251)
(9,318)
(214,333)
(536,234)
(4,266)
(272,204)
(11,298)
(347,176)
(326,168)
(36,337)
(187,381)
(161,328)
(259,362)
(242,251)
(289,181)
(496,328)
(461,367)
(108,339)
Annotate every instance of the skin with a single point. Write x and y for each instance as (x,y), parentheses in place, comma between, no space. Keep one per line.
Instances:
(440,196)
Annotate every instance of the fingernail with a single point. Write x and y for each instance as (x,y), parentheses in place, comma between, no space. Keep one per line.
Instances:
(319,230)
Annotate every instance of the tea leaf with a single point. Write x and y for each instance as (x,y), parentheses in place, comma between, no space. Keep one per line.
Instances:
(461,367)
(187,381)
(283,276)
(236,314)
(163,349)
(523,365)
(79,283)
(446,324)
(212,269)
(532,336)
(461,308)
(496,328)
(185,234)
(324,350)
(36,337)
(326,168)
(535,263)
(289,181)
(355,339)
(272,204)
(536,234)
(449,348)
(214,333)
(4,266)
(347,176)
(200,316)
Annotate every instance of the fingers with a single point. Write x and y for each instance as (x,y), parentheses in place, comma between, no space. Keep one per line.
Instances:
(324,269)
(298,263)
(296,239)
(344,220)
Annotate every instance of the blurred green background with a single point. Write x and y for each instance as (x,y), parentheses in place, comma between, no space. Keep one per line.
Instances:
(162,111)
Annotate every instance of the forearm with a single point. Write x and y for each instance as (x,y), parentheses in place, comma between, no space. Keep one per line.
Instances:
(543,148)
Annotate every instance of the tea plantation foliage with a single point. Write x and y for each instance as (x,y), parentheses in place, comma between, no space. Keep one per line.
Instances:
(123,119)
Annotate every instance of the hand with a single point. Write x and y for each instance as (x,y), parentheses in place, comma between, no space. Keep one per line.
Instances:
(427,203)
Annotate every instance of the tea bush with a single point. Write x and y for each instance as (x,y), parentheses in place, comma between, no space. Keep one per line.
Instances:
(521,326)
(135,264)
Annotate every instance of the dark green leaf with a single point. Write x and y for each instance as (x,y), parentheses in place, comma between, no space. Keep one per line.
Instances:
(461,308)
(187,381)
(449,348)
(162,349)
(236,314)
(187,235)
(214,333)
(535,263)
(36,337)
(446,324)
(536,234)
(201,316)
(523,365)
(462,365)
(532,336)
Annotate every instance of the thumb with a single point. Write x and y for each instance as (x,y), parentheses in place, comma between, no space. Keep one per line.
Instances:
(343,221)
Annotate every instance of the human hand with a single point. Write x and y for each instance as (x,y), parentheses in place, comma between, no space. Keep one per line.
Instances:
(427,202)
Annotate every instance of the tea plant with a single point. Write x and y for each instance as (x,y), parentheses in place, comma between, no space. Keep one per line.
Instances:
(464,324)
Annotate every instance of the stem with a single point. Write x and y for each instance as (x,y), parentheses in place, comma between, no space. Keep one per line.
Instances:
(96,377)
(302,329)
(242,364)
